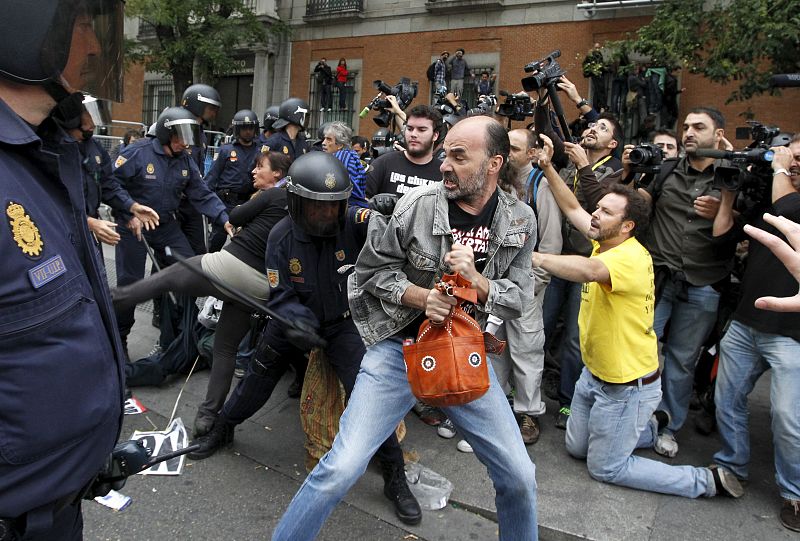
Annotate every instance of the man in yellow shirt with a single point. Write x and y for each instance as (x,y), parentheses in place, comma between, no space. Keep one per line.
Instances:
(615,400)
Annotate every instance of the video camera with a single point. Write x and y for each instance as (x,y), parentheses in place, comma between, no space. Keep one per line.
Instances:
(516,107)
(405,91)
(750,171)
(453,113)
(544,71)
(646,158)
(383,141)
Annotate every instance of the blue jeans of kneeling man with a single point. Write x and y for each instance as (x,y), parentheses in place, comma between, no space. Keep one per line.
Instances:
(608,422)
(380,399)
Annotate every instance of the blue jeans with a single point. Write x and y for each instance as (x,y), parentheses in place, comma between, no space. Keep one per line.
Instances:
(563,294)
(691,322)
(745,354)
(380,399)
(609,421)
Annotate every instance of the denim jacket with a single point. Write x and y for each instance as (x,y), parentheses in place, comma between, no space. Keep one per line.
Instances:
(409,248)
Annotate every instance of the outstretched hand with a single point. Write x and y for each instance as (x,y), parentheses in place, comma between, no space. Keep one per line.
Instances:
(789,254)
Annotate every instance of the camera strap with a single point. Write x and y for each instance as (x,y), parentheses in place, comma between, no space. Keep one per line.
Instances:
(594,168)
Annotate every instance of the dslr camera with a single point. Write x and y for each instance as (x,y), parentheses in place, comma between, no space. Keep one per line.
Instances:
(405,91)
(646,158)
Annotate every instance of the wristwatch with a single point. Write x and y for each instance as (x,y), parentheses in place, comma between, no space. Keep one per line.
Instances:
(582,103)
(779,171)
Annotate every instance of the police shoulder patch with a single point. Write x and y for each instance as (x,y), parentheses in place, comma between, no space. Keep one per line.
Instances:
(362,215)
(119,161)
(272,277)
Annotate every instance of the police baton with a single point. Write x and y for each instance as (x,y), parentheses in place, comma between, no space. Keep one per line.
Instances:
(295,330)
(152,255)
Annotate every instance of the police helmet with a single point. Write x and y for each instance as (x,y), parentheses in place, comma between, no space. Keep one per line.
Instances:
(99,110)
(270,116)
(292,111)
(245,119)
(151,131)
(318,187)
(197,97)
(37,35)
(177,121)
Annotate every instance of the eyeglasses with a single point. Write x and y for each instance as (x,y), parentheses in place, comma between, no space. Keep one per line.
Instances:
(596,125)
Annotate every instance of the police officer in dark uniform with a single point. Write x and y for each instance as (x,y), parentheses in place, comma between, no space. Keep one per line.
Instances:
(159,173)
(231,175)
(309,256)
(61,360)
(98,184)
(288,137)
(270,116)
(203,101)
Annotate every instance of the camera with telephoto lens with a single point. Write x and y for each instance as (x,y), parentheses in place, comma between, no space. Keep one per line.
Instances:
(646,158)
(453,113)
(750,170)
(516,107)
(543,72)
(405,91)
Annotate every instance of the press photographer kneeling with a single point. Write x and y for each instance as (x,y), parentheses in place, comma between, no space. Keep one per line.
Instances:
(757,340)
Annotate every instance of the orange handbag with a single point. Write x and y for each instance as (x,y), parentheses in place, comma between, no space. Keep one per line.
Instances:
(447,364)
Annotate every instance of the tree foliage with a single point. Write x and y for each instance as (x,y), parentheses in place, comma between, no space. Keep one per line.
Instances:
(193,33)
(739,41)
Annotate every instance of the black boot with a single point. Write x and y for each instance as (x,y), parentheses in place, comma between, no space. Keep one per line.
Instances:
(395,488)
(221,434)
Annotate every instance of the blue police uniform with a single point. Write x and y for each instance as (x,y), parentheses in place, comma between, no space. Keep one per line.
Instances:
(306,284)
(191,221)
(230,177)
(280,142)
(57,331)
(98,184)
(157,180)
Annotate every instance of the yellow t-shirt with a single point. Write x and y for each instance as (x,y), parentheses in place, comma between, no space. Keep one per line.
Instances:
(618,343)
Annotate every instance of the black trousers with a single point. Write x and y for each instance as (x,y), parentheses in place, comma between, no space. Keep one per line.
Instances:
(344,352)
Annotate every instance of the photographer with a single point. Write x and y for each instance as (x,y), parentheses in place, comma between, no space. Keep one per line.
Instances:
(758,340)
(485,85)
(689,273)
(667,143)
(398,172)
(324,76)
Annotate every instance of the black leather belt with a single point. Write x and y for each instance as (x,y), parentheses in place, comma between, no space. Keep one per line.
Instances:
(647,380)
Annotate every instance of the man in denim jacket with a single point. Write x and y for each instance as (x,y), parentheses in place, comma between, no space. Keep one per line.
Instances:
(392,290)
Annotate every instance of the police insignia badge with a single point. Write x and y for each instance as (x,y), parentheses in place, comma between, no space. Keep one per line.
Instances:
(120,161)
(340,255)
(151,168)
(25,232)
(286,150)
(272,277)
(97,160)
(294,266)
(330,181)
(185,172)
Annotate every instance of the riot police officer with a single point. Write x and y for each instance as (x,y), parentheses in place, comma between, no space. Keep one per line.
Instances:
(56,322)
(309,254)
(288,137)
(203,101)
(270,116)
(231,176)
(158,174)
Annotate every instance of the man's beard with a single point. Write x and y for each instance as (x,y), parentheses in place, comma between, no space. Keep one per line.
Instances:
(605,234)
(468,188)
(421,152)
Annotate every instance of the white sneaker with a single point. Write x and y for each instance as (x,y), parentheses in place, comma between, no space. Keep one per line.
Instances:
(464,447)
(446,429)
(666,445)
(321,109)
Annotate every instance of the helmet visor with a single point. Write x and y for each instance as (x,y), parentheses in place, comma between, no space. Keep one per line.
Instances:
(95,55)
(99,110)
(187,130)
(321,218)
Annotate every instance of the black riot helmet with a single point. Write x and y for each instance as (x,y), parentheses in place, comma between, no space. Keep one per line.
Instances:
(198,98)
(177,121)
(245,119)
(270,116)
(292,111)
(46,42)
(318,187)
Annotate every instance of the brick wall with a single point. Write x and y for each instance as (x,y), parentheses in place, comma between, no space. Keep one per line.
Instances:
(131,108)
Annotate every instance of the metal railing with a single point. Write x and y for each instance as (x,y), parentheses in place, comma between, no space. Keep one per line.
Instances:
(326,7)
(332,110)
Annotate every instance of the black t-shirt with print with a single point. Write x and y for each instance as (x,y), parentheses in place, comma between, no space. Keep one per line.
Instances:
(394,173)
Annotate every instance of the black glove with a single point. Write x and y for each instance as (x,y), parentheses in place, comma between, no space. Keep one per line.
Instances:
(383,203)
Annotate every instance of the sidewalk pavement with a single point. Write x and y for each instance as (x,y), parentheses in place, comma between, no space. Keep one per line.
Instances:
(241,492)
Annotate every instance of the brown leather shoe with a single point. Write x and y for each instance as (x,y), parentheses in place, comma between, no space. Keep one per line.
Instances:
(790,514)
(528,428)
